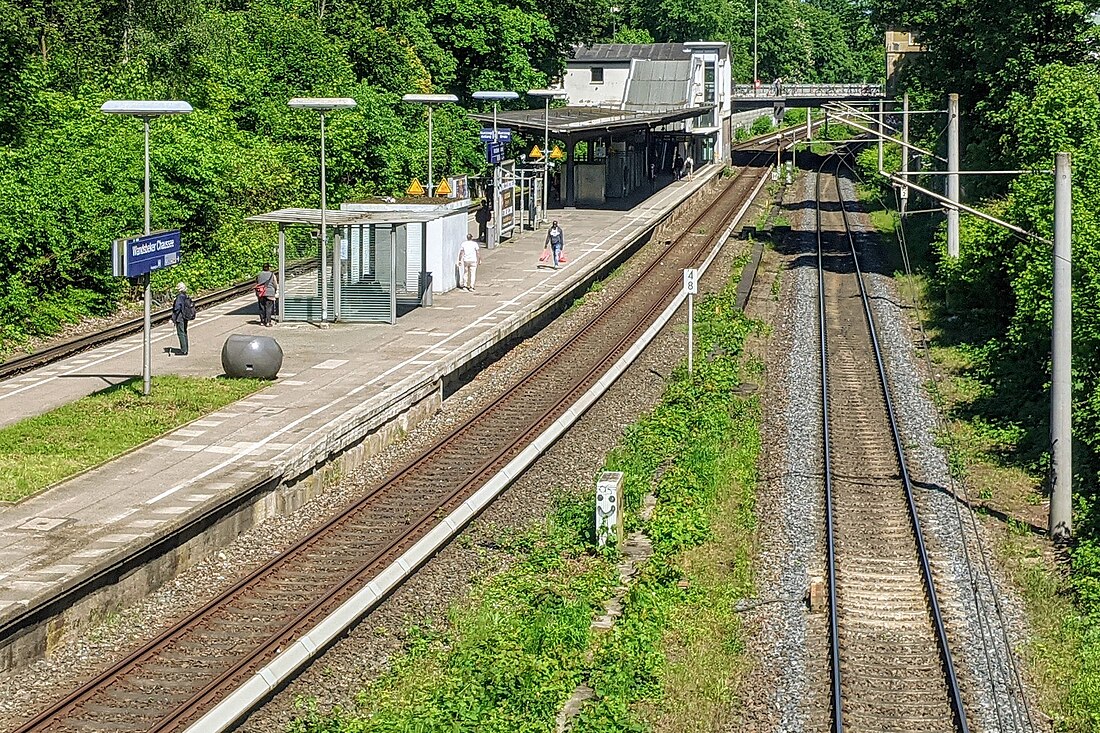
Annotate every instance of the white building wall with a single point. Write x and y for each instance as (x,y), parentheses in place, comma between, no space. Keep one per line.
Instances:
(582,92)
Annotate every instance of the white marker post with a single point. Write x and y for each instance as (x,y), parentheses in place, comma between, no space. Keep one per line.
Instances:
(691,287)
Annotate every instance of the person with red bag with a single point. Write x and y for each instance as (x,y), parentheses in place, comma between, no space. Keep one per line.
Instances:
(555,242)
(267,289)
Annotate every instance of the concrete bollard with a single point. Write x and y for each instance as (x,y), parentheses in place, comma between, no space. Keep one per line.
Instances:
(609,507)
(251,356)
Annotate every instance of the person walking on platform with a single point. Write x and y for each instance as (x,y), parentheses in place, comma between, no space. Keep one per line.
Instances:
(555,240)
(267,289)
(183,310)
(678,166)
(469,257)
(689,167)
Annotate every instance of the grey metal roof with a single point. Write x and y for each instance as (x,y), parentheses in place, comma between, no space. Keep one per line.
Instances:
(580,122)
(624,52)
(341,217)
(658,85)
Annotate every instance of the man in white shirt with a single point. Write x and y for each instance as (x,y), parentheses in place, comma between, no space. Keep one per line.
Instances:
(469,257)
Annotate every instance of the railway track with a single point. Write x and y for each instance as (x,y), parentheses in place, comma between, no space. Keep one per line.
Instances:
(891,665)
(175,678)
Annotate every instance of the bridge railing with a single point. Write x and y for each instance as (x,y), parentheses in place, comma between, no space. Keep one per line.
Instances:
(828,91)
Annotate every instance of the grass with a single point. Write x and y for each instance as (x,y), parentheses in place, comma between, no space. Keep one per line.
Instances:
(513,653)
(41,451)
(1062,655)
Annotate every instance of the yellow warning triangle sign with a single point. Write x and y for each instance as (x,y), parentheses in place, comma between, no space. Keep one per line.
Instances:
(443,189)
(535,152)
(415,189)
(556,153)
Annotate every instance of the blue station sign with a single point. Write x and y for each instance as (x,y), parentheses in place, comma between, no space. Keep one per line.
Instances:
(504,134)
(134,256)
(494,152)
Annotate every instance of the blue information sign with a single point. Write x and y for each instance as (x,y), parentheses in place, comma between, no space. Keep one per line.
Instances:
(504,134)
(494,152)
(141,255)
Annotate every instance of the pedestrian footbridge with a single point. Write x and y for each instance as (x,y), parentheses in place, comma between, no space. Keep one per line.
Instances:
(747,96)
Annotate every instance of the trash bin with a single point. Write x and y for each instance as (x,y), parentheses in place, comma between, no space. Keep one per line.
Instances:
(251,356)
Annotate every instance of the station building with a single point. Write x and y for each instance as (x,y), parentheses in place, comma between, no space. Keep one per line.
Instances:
(655,78)
(632,105)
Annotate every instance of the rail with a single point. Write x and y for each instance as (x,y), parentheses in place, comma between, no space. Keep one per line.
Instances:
(837,682)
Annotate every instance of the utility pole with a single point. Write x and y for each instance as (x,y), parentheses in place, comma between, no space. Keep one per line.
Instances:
(905,150)
(881,135)
(1061,427)
(953,175)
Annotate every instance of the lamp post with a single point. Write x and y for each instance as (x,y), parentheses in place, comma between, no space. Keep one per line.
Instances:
(429,100)
(323,105)
(495,97)
(755,73)
(146,110)
(547,94)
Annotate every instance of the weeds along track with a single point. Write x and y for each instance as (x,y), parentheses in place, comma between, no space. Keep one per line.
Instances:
(196,663)
(891,665)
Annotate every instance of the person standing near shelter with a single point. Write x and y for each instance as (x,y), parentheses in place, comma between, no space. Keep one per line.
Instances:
(469,257)
(183,310)
(678,166)
(555,240)
(652,176)
(267,289)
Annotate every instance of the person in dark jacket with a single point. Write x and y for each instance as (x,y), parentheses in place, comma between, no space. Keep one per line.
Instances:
(183,310)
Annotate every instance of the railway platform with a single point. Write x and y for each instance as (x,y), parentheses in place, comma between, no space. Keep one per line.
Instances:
(113,533)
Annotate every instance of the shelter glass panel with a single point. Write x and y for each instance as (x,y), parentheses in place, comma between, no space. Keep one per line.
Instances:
(302,293)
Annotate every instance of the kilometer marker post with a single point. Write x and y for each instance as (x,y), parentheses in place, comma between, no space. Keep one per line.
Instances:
(691,287)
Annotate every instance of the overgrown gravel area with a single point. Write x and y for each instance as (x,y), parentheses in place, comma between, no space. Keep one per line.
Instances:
(984,616)
(423,600)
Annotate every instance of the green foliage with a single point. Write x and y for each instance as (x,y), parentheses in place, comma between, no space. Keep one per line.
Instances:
(761,126)
(695,449)
(43,450)
(71,178)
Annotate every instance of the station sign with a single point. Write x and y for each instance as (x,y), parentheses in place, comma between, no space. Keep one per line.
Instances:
(494,152)
(134,256)
(504,134)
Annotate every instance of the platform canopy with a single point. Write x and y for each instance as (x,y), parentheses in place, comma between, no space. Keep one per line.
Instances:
(342,217)
(579,123)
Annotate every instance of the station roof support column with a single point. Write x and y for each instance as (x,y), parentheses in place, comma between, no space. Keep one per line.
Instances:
(570,176)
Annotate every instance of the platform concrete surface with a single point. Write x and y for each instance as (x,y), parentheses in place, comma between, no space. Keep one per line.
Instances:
(337,385)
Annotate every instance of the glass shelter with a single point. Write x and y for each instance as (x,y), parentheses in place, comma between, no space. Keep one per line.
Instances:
(369,271)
